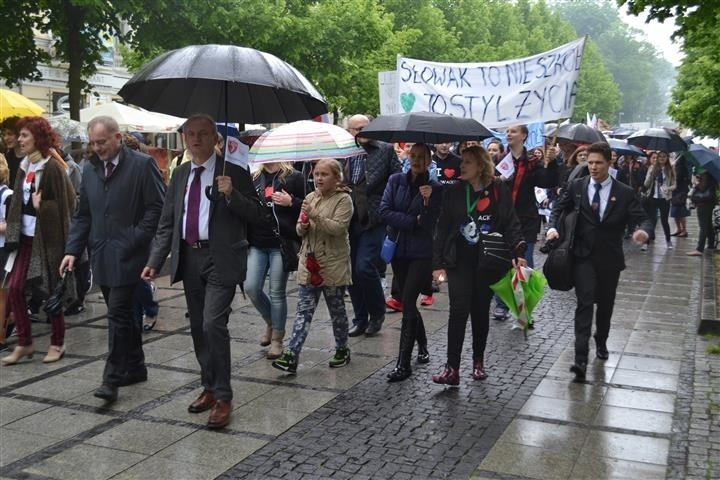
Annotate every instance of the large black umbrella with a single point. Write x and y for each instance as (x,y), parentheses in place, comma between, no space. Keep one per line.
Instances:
(622,132)
(229,83)
(579,133)
(706,159)
(662,139)
(621,147)
(424,127)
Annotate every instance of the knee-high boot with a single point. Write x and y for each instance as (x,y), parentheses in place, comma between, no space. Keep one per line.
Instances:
(423,355)
(402,369)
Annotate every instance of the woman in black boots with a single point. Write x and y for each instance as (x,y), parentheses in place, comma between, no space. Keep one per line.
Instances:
(410,207)
(477,235)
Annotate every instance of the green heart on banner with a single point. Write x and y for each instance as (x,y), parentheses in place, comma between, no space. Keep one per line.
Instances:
(407,100)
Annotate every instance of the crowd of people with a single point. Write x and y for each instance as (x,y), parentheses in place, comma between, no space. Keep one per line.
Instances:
(436,213)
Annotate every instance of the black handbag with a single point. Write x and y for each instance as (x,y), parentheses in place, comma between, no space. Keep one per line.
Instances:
(558,268)
(289,251)
(54,305)
(494,253)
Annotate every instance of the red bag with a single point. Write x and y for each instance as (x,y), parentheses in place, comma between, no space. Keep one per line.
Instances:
(313,267)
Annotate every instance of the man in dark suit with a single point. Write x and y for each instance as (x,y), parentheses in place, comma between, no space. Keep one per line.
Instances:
(606,206)
(121,198)
(203,226)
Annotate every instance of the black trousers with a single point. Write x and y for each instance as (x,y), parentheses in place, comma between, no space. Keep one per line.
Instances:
(593,285)
(707,232)
(470,294)
(208,301)
(661,207)
(396,289)
(124,336)
(411,275)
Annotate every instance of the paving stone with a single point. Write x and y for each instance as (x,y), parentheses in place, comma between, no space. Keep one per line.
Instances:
(87,462)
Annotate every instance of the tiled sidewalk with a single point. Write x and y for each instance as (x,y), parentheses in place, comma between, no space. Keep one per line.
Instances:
(631,419)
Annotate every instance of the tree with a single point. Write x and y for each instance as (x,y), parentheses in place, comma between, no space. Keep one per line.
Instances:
(80,28)
(640,72)
(696,96)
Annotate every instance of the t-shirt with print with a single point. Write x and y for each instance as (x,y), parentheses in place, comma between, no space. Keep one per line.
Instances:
(448,169)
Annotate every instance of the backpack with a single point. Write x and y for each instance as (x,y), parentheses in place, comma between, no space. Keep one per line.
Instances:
(558,268)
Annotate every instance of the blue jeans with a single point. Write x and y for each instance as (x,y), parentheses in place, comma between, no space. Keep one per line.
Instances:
(144,303)
(274,306)
(366,292)
(529,257)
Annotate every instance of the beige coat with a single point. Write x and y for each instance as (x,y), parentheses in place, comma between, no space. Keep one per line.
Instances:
(327,237)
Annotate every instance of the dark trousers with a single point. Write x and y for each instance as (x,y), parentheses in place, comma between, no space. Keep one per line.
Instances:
(593,285)
(470,294)
(412,275)
(366,292)
(82,280)
(144,303)
(16,304)
(661,207)
(396,289)
(124,335)
(707,232)
(208,301)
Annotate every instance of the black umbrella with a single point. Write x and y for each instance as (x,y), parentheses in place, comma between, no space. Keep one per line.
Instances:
(579,133)
(229,83)
(621,147)
(622,132)
(706,159)
(424,127)
(662,139)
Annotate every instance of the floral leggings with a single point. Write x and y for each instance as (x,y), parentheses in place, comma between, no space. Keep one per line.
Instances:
(307,303)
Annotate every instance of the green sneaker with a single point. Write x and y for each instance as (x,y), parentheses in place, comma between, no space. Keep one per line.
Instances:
(341,358)
(287,362)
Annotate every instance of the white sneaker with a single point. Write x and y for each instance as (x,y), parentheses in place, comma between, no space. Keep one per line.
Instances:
(643,248)
(669,245)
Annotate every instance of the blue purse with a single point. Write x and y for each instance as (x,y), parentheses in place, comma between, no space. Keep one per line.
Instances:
(387,252)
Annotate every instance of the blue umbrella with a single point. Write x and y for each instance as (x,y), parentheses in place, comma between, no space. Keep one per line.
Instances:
(706,159)
(621,147)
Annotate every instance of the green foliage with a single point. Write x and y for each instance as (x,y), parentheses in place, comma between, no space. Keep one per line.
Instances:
(643,76)
(696,96)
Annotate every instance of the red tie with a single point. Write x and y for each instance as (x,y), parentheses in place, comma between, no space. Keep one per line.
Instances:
(192,220)
(109,167)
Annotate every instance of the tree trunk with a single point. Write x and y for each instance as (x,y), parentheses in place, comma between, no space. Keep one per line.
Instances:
(75,20)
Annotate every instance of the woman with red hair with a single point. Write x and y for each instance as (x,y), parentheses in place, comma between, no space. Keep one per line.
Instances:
(37,228)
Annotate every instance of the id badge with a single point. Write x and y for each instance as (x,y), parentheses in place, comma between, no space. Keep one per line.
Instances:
(470,232)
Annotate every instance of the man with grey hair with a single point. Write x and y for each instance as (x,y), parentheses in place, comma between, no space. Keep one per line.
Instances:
(121,198)
(204,229)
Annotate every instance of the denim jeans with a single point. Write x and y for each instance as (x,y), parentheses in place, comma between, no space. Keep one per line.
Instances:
(274,306)
(144,303)
(366,292)
(530,259)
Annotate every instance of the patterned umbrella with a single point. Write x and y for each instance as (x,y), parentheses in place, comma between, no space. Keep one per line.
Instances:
(70,130)
(13,104)
(304,141)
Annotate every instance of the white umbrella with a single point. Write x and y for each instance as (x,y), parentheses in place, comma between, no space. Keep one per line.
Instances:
(133,119)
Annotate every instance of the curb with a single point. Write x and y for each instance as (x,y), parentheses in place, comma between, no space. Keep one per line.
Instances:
(709,321)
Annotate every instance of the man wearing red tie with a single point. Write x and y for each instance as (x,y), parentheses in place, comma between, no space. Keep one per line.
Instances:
(121,197)
(203,227)
(605,207)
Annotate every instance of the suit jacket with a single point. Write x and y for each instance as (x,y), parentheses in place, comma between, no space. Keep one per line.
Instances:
(227,228)
(117,217)
(602,241)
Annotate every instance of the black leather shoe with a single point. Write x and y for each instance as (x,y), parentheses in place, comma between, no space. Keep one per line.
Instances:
(399,373)
(133,378)
(372,329)
(423,355)
(579,370)
(601,349)
(356,331)
(109,393)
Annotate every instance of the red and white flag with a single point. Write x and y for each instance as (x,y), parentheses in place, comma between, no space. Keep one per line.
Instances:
(236,152)
(506,166)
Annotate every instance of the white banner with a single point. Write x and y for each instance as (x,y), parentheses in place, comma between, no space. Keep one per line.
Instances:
(497,94)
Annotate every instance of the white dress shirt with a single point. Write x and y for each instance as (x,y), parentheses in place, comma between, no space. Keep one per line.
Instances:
(604,193)
(206,180)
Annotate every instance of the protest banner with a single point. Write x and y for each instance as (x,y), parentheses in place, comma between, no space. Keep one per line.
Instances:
(539,88)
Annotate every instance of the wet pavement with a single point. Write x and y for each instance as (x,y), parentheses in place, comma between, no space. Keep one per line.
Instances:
(650,411)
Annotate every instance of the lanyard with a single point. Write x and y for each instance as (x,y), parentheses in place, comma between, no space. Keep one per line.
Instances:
(470,206)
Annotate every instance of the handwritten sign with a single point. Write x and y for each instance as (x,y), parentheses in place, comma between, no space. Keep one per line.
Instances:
(497,94)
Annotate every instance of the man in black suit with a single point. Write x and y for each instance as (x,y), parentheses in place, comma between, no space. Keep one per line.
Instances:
(121,197)
(203,227)
(606,206)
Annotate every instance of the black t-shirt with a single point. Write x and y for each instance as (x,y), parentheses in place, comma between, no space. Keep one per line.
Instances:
(483,215)
(448,168)
(261,234)
(13,165)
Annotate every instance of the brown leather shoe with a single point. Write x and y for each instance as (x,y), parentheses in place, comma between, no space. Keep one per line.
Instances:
(220,414)
(204,402)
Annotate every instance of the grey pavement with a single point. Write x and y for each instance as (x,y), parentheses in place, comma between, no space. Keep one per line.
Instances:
(651,411)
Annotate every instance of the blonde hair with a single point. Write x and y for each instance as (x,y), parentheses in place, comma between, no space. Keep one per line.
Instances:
(480,156)
(286,169)
(4,170)
(334,167)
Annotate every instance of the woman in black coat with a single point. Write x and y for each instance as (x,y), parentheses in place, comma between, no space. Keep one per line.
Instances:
(478,204)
